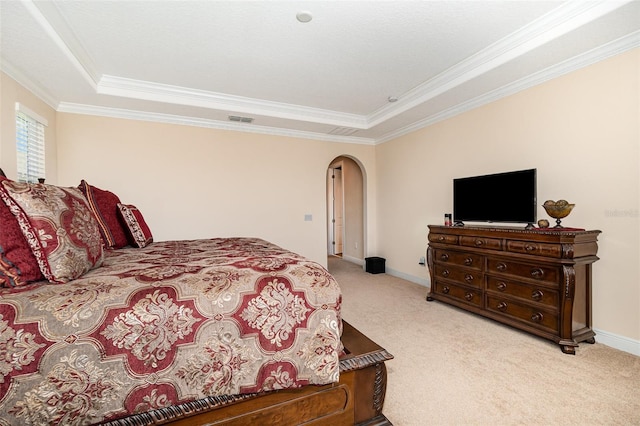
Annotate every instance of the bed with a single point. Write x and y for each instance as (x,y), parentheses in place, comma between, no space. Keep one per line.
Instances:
(212,331)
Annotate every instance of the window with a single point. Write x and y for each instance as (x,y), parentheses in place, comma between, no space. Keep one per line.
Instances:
(29,144)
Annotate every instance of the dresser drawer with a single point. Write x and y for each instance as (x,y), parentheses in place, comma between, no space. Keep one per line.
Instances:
(443,239)
(468,260)
(529,293)
(531,315)
(542,273)
(463,276)
(535,248)
(481,242)
(462,294)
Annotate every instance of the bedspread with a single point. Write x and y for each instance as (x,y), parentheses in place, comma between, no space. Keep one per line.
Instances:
(172,322)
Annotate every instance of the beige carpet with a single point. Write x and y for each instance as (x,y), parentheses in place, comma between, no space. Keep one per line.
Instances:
(455,368)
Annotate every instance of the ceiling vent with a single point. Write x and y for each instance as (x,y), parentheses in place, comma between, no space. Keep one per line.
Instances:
(343,131)
(240,119)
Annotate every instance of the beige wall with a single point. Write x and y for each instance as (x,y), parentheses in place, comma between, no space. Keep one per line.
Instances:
(192,182)
(580,131)
(10,93)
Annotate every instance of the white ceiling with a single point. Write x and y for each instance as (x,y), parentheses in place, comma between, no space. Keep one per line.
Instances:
(198,62)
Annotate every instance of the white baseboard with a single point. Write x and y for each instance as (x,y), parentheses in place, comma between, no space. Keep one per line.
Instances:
(353,260)
(422,281)
(610,339)
(618,342)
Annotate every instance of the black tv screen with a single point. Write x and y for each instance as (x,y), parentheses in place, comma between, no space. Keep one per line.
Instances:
(508,197)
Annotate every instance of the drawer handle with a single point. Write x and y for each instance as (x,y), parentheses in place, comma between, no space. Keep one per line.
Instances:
(468,261)
(537,317)
(529,247)
(441,238)
(537,273)
(468,296)
(502,286)
(501,267)
(502,306)
(444,257)
(445,273)
(468,278)
(446,289)
(479,243)
(537,294)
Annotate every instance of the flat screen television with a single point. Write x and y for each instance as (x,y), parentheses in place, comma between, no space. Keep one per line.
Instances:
(508,197)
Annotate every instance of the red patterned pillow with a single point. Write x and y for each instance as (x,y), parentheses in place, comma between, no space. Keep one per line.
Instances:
(104,205)
(58,225)
(18,266)
(138,230)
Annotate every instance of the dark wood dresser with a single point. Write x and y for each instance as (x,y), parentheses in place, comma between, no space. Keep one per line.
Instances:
(535,280)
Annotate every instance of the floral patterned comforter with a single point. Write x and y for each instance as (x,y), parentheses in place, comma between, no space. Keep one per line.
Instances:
(172,322)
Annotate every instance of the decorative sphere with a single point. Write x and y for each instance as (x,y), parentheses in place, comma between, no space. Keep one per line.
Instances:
(543,223)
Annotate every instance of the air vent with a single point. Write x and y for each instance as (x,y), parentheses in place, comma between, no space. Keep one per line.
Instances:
(343,131)
(239,119)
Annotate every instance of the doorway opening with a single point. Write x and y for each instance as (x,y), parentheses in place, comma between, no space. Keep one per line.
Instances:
(346,210)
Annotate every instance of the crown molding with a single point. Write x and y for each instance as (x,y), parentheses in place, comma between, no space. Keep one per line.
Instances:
(35,88)
(608,50)
(550,26)
(76,56)
(138,89)
(74,108)
(613,48)
(554,24)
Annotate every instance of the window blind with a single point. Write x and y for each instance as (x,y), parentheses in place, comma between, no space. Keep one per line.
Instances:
(30,144)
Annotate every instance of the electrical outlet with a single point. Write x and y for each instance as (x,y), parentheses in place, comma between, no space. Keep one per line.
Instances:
(422,261)
(356,244)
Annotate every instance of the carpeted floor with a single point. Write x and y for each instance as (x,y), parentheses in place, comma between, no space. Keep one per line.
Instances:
(455,368)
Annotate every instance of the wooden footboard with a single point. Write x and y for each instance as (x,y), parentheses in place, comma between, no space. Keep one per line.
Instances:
(357,399)
(365,360)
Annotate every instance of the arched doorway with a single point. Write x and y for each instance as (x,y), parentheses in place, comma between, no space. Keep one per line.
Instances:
(346,209)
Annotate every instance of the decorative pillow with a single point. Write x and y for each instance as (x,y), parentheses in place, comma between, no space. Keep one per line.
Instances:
(104,205)
(59,227)
(18,266)
(138,230)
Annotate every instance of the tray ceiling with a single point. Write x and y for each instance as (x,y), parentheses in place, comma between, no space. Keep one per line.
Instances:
(332,78)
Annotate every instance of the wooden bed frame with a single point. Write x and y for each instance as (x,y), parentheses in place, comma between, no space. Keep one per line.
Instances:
(357,399)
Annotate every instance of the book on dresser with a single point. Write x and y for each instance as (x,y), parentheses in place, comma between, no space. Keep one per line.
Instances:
(536,280)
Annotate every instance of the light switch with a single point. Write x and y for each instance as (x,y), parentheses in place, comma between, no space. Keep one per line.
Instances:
(308,217)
